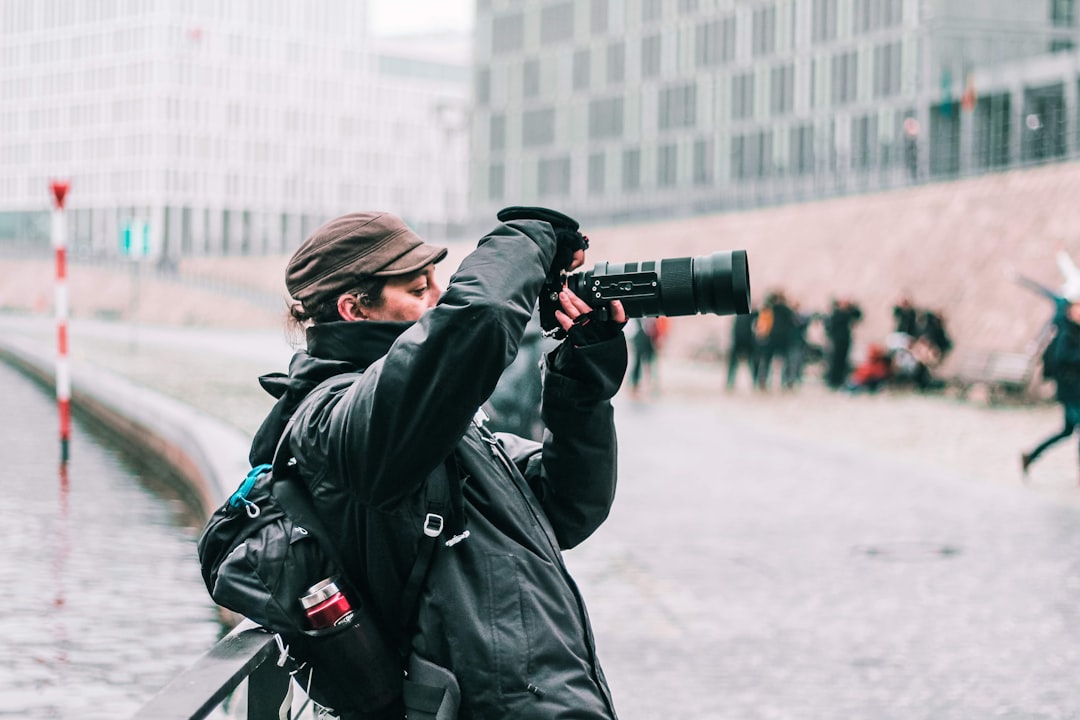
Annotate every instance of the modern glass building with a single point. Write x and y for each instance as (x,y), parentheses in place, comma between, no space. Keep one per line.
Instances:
(221,127)
(622,109)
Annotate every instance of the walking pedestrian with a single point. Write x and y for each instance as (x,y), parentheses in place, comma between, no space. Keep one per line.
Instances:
(775,337)
(498,611)
(838,329)
(1061,362)
(645,338)
(743,344)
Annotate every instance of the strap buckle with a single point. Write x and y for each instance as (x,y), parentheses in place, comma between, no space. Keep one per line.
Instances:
(433,525)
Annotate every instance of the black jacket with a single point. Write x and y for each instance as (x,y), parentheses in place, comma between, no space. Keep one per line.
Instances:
(499,609)
(1066,355)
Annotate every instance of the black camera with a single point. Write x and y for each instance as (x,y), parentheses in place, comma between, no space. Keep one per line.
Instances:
(717,283)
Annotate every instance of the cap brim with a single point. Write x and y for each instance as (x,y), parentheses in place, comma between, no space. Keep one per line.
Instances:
(416,259)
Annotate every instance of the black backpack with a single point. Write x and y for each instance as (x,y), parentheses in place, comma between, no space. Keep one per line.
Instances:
(265,546)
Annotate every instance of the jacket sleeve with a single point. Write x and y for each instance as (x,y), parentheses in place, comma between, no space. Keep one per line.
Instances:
(575,476)
(406,412)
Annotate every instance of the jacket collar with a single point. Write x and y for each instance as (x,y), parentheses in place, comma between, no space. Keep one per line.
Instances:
(332,349)
(359,343)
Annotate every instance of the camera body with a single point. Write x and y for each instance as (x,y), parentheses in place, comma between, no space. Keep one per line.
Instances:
(718,284)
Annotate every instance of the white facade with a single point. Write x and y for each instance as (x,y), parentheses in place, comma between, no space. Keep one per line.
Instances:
(628,109)
(228,127)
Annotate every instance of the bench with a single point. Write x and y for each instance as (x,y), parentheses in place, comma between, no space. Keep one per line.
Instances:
(1003,374)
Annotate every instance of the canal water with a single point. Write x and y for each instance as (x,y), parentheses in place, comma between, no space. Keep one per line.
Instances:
(101,602)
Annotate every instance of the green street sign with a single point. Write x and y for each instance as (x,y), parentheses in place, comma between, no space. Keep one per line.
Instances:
(135,239)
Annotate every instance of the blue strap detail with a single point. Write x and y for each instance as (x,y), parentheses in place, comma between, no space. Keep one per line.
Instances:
(239,497)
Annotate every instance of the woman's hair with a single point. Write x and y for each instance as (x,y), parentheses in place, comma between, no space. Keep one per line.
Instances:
(368,288)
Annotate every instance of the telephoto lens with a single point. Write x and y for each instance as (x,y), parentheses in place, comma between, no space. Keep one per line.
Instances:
(718,284)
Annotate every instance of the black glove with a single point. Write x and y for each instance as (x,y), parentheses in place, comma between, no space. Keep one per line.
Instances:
(593,327)
(567,241)
(567,238)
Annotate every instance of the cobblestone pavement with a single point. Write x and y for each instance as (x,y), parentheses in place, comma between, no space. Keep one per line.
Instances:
(801,555)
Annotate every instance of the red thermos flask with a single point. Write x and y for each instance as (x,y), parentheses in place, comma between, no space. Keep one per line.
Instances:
(325,605)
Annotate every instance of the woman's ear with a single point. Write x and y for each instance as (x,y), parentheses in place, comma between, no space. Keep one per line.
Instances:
(350,307)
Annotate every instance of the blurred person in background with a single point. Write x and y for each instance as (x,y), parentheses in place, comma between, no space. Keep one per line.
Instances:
(1061,363)
(872,373)
(743,347)
(839,323)
(647,336)
(775,335)
(932,329)
(906,317)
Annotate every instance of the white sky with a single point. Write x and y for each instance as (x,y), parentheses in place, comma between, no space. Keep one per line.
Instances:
(406,17)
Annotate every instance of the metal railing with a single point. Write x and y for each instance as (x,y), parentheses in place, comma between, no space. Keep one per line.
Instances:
(247,653)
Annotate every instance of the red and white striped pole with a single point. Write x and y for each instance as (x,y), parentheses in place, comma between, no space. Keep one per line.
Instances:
(63,371)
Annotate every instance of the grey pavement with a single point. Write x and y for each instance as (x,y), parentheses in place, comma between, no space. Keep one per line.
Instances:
(799,555)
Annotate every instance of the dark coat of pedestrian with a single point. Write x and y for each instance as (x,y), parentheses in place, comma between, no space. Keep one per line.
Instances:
(776,341)
(743,347)
(906,317)
(498,608)
(838,330)
(932,328)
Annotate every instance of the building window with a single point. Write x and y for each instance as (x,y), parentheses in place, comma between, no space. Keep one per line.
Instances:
(764,31)
(557,23)
(887,70)
(667,157)
(530,78)
(688,6)
(507,33)
(598,17)
(845,75)
(497,133)
(631,169)
(751,155)
(864,134)
(596,174)
(605,118)
(538,127)
(616,62)
(823,21)
(742,96)
(553,176)
(873,15)
(651,10)
(782,90)
(703,162)
(801,150)
(581,69)
(1063,13)
(496,181)
(677,107)
(714,42)
(650,56)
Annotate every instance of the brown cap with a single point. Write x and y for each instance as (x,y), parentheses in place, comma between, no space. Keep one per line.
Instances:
(365,243)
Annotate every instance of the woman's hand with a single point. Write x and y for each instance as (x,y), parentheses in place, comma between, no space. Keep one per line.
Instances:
(572,307)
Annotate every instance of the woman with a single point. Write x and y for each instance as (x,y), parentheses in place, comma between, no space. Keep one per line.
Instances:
(1063,358)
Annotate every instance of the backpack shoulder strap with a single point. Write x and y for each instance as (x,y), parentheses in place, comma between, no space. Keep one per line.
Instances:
(445,509)
(445,514)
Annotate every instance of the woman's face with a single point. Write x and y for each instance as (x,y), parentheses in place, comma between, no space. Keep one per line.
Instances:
(407,297)
(1074,312)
